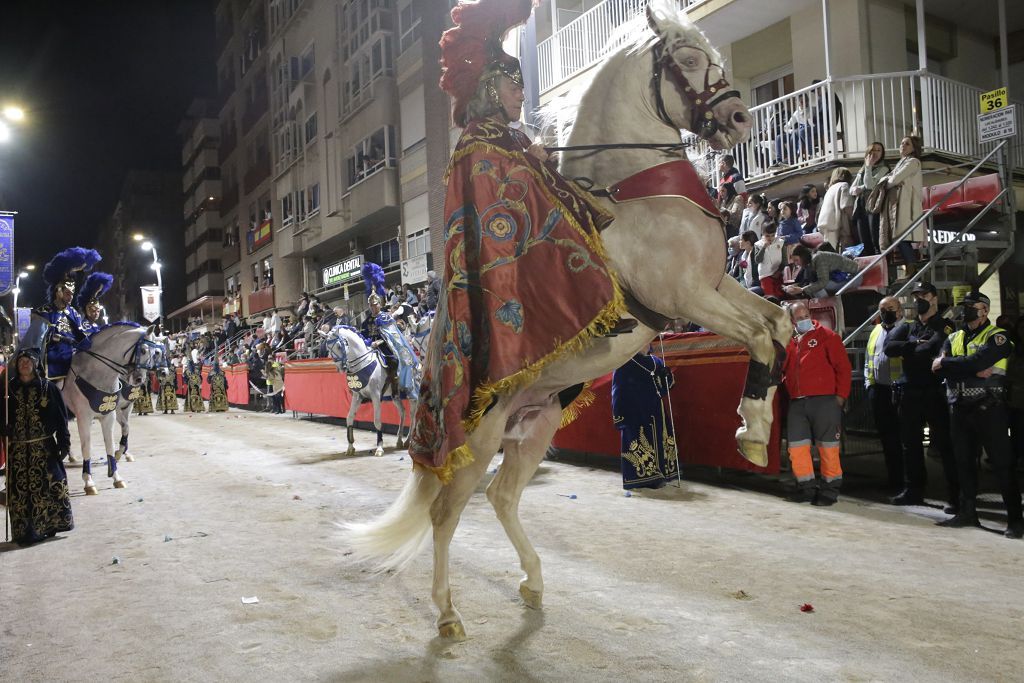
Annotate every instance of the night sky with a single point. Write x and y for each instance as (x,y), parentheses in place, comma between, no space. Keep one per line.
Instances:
(105,84)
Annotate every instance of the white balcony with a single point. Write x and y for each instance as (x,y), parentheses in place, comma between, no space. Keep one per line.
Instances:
(876,107)
(585,40)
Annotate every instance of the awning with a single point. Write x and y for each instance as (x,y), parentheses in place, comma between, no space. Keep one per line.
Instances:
(213,302)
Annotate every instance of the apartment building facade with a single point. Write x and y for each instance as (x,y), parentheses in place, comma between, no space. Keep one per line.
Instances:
(201,194)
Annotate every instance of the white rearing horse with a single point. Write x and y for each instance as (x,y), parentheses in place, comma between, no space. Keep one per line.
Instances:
(670,258)
(419,332)
(367,379)
(91,389)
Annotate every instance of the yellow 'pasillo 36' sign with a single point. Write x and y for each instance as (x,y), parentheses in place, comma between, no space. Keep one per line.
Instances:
(993,99)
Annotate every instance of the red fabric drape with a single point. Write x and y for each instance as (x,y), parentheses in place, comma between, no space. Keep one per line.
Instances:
(315,386)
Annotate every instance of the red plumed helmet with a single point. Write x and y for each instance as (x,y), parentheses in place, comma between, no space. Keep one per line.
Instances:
(475,43)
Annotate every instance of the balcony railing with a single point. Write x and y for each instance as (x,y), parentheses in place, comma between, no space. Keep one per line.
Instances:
(261,300)
(586,39)
(864,109)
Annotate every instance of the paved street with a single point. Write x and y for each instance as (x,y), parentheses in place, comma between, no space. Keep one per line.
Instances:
(702,583)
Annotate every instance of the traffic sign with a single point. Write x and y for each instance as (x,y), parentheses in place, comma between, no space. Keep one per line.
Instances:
(993,99)
(999,124)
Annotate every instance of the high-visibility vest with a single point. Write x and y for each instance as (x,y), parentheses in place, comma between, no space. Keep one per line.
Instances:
(870,371)
(956,343)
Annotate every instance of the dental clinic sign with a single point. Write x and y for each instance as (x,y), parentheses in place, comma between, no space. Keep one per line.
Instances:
(337,273)
(6,252)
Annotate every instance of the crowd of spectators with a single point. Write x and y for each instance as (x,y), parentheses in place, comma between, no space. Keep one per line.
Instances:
(806,246)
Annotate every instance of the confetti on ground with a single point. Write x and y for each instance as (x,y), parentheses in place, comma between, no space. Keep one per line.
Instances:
(570,496)
(115,560)
(627,494)
(807,607)
(742,595)
(250,601)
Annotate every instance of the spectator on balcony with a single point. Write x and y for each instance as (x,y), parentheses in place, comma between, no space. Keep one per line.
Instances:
(807,207)
(731,206)
(836,214)
(433,291)
(820,274)
(866,223)
(409,296)
(731,177)
(795,135)
(789,230)
(230,327)
(744,268)
(754,216)
(902,205)
(768,257)
(829,130)
(303,306)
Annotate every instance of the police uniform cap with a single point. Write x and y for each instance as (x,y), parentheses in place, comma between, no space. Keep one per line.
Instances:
(925,288)
(977,298)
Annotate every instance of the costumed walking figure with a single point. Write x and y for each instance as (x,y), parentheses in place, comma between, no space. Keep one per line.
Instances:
(143,397)
(56,327)
(37,429)
(512,222)
(193,376)
(649,455)
(167,399)
(218,389)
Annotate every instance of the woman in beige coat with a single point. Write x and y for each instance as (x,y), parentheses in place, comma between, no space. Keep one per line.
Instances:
(903,201)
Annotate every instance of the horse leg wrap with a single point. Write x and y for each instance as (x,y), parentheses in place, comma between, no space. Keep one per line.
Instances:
(380,438)
(351,435)
(759,378)
(780,360)
(111,465)
(87,467)
(124,442)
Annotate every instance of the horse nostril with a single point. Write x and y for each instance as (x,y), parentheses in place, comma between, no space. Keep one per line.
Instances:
(741,118)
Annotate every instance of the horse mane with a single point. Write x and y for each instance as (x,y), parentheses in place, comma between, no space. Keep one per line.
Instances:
(634,37)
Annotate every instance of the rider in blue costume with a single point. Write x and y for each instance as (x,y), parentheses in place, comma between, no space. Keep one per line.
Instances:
(382,332)
(88,300)
(56,327)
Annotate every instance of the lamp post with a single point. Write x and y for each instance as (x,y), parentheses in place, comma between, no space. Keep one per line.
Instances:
(16,291)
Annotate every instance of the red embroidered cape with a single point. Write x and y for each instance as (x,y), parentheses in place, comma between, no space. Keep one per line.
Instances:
(526,282)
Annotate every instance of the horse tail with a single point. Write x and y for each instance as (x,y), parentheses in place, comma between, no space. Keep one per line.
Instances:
(394,538)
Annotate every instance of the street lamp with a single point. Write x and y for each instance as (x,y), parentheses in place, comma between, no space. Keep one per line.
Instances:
(10,114)
(156,265)
(16,291)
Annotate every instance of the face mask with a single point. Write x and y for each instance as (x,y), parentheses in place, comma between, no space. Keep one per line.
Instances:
(923,306)
(889,317)
(804,326)
(971,314)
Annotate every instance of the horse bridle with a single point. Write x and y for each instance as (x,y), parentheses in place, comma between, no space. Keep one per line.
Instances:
(702,104)
(702,116)
(345,360)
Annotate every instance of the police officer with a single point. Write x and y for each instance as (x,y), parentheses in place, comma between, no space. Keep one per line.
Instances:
(921,397)
(880,373)
(974,363)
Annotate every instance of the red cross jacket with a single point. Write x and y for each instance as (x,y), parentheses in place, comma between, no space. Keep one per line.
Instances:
(817,365)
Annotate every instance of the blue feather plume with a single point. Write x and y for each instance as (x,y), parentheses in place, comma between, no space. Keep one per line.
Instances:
(96,285)
(75,258)
(373,277)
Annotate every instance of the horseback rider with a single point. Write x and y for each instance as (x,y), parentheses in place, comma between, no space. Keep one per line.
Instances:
(371,331)
(88,300)
(512,222)
(56,327)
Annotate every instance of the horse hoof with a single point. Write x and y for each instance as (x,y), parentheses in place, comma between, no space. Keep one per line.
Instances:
(128,457)
(72,460)
(91,491)
(532,598)
(756,453)
(399,444)
(453,631)
(378,452)
(119,484)
(350,452)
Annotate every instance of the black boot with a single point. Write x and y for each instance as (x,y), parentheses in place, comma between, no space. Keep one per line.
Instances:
(966,517)
(1015,529)
(805,492)
(828,493)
